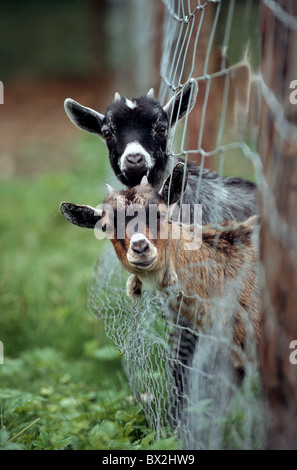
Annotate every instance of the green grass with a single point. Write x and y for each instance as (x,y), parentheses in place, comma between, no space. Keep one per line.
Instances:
(61,384)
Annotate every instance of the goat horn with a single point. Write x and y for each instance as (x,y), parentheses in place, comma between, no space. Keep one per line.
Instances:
(151,93)
(117,96)
(110,189)
(144,181)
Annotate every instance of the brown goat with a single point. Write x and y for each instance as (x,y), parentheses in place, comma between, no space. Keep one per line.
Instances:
(214,283)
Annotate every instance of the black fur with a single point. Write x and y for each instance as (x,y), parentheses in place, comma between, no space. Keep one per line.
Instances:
(139,124)
(145,121)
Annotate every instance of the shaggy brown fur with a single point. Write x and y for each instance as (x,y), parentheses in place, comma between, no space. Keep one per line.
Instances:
(218,282)
(214,285)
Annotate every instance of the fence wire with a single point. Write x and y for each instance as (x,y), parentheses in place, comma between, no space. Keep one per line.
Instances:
(218,44)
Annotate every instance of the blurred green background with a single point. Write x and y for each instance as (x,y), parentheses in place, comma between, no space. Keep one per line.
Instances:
(61,384)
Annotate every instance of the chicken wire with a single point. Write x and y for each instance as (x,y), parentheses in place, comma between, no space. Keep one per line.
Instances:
(198,41)
(151,342)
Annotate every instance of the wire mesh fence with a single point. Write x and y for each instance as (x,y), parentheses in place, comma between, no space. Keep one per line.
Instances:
(180,373)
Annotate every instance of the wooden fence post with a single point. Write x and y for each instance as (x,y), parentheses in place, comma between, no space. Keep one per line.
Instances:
(277,147)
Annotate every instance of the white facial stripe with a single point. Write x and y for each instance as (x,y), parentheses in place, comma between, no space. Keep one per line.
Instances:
(130,104)
(132,149)
(138,236)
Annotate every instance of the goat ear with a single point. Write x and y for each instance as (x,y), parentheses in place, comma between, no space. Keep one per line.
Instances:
(175,184)
(183,102)
(85,118)
(83,216)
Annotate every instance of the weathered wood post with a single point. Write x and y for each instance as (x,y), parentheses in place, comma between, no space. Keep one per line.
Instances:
(277,147)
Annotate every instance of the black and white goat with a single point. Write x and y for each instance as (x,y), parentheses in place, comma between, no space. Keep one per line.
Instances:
(137,133)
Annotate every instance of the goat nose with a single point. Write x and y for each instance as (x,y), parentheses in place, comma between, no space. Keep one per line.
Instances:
(141,247)
(135,158)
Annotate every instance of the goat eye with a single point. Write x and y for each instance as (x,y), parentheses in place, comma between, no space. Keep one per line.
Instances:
(107,134)
(162,130)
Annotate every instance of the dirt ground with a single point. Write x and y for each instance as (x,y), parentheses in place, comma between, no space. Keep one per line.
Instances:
(35,132)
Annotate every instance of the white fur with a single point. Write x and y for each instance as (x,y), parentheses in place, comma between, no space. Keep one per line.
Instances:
(134,148)
(138,236)
(130,104)
(151,280)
